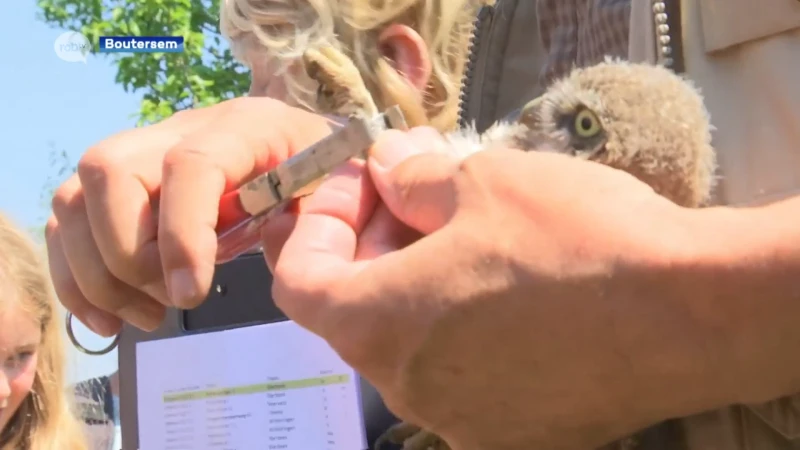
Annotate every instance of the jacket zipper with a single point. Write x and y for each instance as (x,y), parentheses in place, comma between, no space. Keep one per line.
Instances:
(469,68)
(667,16)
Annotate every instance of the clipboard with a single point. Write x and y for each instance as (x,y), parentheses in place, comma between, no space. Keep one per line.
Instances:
(239,298)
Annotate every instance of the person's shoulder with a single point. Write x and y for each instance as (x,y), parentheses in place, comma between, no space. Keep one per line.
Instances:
(92,388)
(89,396)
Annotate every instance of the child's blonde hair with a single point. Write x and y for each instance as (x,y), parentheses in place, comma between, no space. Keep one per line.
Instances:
(45,419)
(281,30)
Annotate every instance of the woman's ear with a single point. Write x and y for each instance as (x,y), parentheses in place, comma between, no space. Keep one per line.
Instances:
(408,54)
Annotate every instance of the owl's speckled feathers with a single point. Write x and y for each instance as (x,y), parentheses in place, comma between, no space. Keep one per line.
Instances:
(642,119)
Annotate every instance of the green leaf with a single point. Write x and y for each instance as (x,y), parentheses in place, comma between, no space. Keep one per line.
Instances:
(134,27)
(204,74)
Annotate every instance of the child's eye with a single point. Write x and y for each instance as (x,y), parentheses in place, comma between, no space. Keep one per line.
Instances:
(18,360)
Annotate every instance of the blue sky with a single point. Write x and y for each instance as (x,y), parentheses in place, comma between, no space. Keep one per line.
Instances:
(50,104)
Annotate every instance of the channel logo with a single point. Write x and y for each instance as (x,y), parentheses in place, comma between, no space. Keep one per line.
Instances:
(140,44)
(72,46)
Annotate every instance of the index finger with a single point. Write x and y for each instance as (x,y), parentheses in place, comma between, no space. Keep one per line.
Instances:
(200,169)
(117,178)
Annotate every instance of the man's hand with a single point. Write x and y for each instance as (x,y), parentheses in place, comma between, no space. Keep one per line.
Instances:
(511,300)
(113,256)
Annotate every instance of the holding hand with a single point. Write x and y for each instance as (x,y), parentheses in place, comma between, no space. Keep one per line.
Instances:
(502,301)
(507,300)
(133,230)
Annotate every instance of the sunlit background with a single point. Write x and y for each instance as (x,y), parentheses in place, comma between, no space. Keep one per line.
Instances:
(49,106)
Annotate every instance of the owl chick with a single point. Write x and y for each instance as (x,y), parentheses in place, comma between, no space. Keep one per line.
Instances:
(639,118)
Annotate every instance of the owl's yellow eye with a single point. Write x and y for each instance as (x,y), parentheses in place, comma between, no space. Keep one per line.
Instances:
(586,124)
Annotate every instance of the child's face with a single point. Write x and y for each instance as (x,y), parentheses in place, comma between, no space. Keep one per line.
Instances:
(20,336)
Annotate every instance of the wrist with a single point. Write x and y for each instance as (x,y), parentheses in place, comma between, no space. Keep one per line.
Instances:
(736,273)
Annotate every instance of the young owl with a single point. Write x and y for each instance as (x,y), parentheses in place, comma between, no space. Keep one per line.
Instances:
(639,118)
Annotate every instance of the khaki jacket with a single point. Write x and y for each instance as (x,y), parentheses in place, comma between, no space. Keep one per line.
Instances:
(745,57)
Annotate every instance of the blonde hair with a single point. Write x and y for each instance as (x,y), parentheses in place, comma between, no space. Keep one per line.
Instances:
(280,31)
(45,419)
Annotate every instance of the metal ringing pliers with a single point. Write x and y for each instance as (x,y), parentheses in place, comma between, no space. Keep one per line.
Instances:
(244,211)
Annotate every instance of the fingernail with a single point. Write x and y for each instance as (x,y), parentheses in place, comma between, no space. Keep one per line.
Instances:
(158,291)
(182,287)
(392,148)
(100,323)
(145,316)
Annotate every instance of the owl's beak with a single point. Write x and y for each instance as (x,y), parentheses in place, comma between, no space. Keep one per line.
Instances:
(529,115)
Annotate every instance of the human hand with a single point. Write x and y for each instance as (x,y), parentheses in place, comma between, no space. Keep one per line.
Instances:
(510,300)
(112,256)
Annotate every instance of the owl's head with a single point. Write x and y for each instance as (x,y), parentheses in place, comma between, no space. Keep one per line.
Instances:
(640,118)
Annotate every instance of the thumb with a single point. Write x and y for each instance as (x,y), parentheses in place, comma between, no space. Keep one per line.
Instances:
(413,174)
